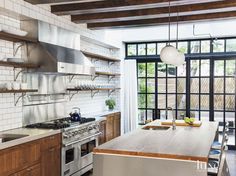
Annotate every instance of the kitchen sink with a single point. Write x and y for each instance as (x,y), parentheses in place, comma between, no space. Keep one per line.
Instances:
(156,128)
(10,137)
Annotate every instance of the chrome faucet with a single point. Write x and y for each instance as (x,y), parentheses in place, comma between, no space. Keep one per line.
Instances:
(174,119)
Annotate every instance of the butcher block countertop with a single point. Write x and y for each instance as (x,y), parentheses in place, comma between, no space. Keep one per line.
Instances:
(184,143)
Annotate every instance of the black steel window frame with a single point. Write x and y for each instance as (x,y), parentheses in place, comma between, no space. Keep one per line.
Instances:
(212,56)
(188,54)
(146,93)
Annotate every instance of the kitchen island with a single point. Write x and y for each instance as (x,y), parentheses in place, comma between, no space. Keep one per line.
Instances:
(157,150)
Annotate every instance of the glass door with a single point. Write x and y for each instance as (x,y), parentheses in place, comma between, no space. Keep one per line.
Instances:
(224,95)
(212,92)
(146,91)
(199,89)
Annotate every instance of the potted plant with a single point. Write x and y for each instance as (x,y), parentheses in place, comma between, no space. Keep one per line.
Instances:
(111,104)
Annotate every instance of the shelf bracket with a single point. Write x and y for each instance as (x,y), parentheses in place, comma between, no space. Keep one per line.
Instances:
(72,95)
(110,92)
(16,100)
(71,78)
(17,46)
(16,75)
(110,63)
(94,60)
(110,78)
(93,93)
(94,77)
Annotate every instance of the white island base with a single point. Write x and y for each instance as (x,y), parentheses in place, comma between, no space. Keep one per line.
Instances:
(118,165)
(158,150)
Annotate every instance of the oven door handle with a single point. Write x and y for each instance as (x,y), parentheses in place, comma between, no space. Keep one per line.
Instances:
(74,142)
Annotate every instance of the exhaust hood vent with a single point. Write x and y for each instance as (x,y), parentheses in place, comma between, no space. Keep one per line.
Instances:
(50,52)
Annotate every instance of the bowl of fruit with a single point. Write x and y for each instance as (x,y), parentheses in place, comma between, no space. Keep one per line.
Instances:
(189,120)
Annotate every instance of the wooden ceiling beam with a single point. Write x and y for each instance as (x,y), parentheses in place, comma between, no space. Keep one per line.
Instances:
(117,5)
(49,1)
(159,21)
(149,13)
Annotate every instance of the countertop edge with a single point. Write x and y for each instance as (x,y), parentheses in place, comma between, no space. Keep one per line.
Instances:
(99,117)
(101,114)
(27,139)
(119,146)
(152,155)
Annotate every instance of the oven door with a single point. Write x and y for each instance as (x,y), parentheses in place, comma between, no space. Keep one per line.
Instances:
(70,159)
(86,155)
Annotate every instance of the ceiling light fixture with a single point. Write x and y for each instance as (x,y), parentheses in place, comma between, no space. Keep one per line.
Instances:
(169,54)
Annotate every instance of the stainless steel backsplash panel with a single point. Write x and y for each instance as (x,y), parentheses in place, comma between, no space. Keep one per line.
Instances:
(46,84)
(49,102)
(44,112)
(34,114)
(56,110)
(56,84)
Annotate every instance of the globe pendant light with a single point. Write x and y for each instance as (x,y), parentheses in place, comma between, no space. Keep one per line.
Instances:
(179,60)
(169,54)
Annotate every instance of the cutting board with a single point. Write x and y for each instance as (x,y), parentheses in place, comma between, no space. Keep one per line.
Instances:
(182,123)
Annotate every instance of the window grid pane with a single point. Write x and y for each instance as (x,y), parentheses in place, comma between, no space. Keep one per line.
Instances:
(161,85)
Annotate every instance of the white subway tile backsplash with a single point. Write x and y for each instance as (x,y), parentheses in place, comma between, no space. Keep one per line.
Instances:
(11,115)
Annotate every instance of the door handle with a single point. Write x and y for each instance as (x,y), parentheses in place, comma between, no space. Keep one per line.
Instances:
(74,142)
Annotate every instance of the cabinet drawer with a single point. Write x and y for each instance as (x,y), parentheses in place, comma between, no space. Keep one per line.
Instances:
(51,141)
(19,157)
(31,171)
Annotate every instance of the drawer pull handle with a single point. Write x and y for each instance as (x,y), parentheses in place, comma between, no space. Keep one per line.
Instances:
(52,137)
(52,149)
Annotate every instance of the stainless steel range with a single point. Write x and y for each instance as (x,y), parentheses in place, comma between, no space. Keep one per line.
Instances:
(79,138)
(78,144)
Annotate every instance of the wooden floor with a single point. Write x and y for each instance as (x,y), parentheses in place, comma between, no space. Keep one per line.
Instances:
(231,160)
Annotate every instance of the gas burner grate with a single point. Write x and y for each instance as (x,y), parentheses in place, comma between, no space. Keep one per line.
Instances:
(48,126)
(86,120)
(60,123)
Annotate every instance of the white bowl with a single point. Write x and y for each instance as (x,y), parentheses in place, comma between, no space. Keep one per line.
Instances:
(16,86)
(19,60)
(23,86)
(2,86)
(15,32)
(8,86)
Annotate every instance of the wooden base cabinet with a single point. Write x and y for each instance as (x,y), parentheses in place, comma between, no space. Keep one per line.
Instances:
(19,158)
(116,125)
(51,156)
(110,127)
(51,162)
(37,158)
(102,137)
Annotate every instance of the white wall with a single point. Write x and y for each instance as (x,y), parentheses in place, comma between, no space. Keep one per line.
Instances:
(11,115)
(157,33)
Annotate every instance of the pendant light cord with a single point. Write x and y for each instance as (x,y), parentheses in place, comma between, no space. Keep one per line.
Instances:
(169,23)
(177,30)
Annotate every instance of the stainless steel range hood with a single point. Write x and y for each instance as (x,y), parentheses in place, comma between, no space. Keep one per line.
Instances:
(57,50)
